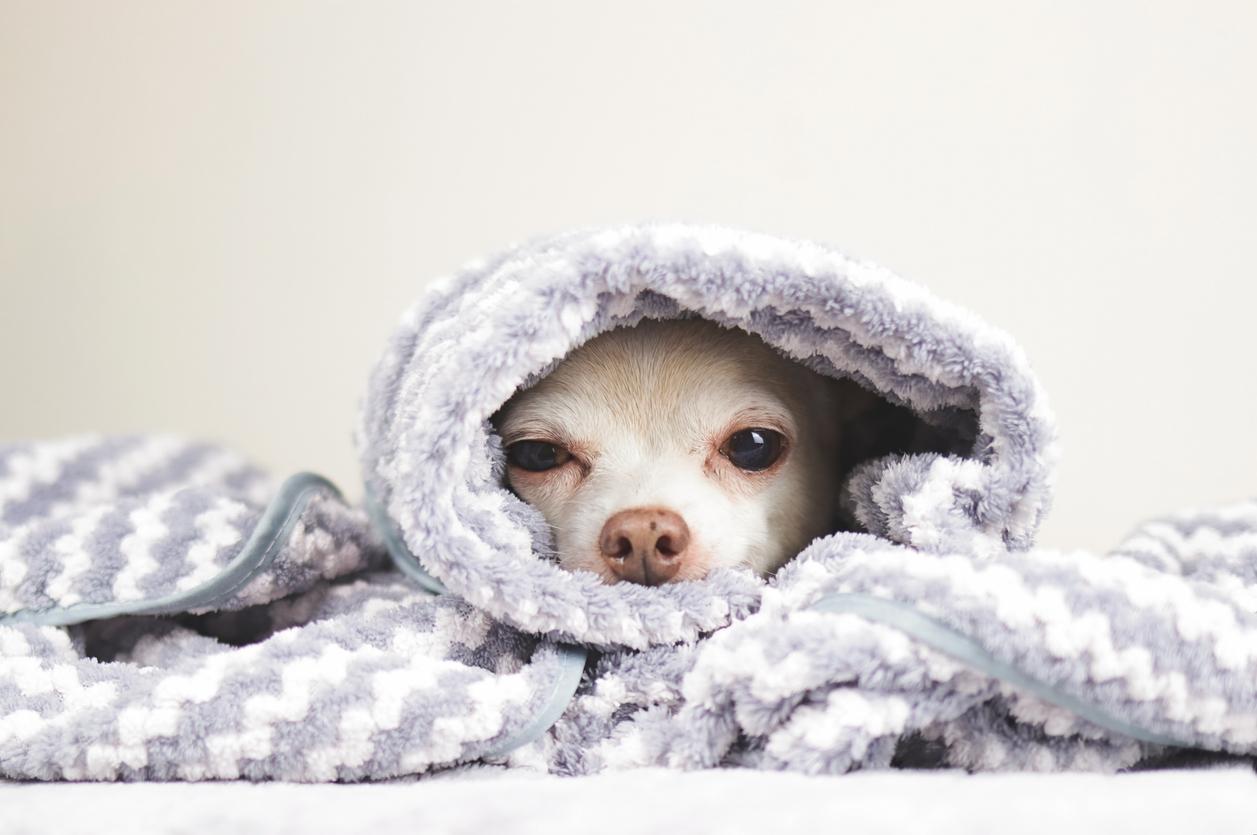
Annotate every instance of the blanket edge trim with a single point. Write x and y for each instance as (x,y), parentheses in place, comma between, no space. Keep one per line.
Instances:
(965,649)
(273,528)
(572,657)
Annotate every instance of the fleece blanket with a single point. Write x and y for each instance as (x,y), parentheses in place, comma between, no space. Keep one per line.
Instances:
(168,612)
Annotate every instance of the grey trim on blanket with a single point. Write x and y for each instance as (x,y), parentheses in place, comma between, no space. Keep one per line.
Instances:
(405,561)
(916,624)
(265,542)
(572,657)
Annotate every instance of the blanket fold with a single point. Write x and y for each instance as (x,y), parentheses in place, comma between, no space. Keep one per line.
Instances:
(169,612)
(295,655)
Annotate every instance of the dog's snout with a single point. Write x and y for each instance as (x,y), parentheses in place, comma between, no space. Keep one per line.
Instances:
(645,545)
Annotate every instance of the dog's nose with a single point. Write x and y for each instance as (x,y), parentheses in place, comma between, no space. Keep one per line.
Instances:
(645,544)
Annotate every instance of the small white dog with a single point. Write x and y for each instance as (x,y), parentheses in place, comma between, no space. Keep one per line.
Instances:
(661,451)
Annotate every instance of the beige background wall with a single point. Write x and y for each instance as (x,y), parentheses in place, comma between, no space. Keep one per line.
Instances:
(212,213)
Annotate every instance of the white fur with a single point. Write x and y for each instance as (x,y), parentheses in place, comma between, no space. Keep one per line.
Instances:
(644,412)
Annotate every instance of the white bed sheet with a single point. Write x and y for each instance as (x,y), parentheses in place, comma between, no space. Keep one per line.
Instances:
(486,801)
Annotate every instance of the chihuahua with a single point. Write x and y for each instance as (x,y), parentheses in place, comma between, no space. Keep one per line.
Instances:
(661,451)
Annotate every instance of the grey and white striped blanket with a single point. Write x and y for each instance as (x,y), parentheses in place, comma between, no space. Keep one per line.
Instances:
(167,612)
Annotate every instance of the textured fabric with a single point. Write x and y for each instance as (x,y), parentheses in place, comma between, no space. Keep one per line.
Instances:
(314,666)
(433,463)
(104,521)
(169,613)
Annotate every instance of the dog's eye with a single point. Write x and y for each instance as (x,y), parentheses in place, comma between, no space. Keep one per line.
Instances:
(753,449)
(536,456)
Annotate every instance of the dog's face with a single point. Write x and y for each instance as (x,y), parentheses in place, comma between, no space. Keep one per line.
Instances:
(662,451)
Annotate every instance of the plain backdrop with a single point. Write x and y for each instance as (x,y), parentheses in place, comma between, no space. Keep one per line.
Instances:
(212,214)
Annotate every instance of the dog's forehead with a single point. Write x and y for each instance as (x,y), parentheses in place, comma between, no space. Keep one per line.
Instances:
(670,380)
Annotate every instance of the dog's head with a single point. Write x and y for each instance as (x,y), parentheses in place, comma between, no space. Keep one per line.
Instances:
(661,451)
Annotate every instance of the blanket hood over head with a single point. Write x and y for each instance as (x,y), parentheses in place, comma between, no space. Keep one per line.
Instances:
(434,467)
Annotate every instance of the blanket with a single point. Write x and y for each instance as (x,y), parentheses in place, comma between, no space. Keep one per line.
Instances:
(167,611)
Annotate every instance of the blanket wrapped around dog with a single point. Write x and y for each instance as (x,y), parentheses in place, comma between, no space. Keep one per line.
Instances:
(170,613)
